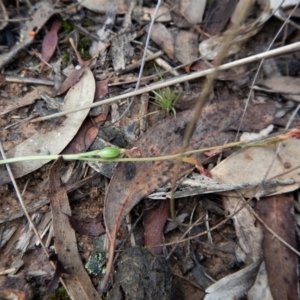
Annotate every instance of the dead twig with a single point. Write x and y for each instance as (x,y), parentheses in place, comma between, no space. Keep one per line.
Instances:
(275,52)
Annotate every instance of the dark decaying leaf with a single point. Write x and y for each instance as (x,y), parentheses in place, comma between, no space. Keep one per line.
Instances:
(132,181)
(88,226)
(218,15)
(86,134)
(281,262)
(49,43)
(71,80)
(101,88)
(201,274)
(154,222)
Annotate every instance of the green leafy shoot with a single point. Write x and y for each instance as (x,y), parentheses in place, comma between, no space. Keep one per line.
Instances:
(166,99)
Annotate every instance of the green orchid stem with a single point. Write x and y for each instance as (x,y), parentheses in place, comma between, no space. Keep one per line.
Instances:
(96,155)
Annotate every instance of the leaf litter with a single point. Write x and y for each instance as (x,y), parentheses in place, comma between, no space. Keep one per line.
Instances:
(47,142)
(131,182)
(219,124)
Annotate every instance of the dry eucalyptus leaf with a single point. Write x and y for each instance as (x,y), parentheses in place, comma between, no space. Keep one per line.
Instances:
(8,105)
(104,6)
(288,86)
(71,79)
(50,43)
(186,46)
(218,15)
(193,10)
(260,288)
(54,141)
(282,84)
(281,262)
(154,222)
(78,283)
(251,164)
(278,5)
(121,50)
(248,233)
(186,13)
(234,285)
(161,36)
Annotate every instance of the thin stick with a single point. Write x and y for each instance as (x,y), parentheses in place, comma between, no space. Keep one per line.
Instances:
(180,79)
(28,80)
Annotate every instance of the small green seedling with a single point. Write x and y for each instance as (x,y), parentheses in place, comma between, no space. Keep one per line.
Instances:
(166,99)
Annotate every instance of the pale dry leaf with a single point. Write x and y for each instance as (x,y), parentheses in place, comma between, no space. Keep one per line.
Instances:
(8,105)
(186,46)
(104,6)
(163,14)
(234,285)
(250,136)
(251,164)
(121,50)
(193,10)
(283,4)
(210,48)
(260,288)
(54,141)
(161,36)
(186,13)
(248,233)
(288,86)
(282,84)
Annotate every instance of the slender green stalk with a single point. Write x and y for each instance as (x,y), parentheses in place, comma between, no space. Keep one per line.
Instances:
(112,154)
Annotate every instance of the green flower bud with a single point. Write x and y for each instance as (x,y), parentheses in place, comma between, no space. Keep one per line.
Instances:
(110,152)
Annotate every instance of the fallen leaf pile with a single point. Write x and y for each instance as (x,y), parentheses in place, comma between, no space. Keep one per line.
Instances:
(131,75)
